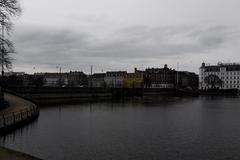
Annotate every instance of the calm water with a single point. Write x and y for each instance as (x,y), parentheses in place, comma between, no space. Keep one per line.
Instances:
(165,128)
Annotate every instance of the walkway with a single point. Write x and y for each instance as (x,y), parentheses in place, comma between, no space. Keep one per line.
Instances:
(15,104)
(17,111)
(7,154)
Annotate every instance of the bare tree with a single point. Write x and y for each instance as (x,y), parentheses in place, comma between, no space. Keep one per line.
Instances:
(213,81)
(8,8)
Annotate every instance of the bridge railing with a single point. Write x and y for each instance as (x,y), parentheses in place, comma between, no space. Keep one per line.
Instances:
(12,118)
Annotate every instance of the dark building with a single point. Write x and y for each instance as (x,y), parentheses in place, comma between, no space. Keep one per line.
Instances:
(77,79)
(169,78)
(187,80)
(33,80)
(13,80)
(97,80)
(160,78)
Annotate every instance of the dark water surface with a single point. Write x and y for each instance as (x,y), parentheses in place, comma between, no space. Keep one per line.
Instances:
(204,128)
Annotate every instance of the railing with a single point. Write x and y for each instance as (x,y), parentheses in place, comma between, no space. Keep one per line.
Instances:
(13,118)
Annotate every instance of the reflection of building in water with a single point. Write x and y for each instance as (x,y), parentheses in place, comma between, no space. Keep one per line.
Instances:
(227,76)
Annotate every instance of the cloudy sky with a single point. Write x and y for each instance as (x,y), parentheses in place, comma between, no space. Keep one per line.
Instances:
(123,34)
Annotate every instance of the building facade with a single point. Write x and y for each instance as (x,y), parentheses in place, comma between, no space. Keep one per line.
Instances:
(115,79)
(134,80)
(97,80)
(160,77)
(187,80)
(170,78)
(55,79)
(77,79)
(228,74)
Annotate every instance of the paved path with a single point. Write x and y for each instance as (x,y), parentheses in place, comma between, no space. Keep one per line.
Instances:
(7,154)
(15,104)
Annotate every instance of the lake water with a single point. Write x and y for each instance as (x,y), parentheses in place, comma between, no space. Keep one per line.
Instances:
(200,128)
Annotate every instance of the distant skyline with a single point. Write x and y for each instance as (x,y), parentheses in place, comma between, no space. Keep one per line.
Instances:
(122,35)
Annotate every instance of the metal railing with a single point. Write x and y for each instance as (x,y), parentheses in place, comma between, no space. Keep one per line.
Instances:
(12,118)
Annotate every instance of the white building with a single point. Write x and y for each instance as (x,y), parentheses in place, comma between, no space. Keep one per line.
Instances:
(229,73)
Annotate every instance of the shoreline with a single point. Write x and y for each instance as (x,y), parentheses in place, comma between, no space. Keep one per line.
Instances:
(66,95)
(17,114)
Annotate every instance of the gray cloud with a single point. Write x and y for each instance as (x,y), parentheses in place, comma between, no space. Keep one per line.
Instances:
(50,46)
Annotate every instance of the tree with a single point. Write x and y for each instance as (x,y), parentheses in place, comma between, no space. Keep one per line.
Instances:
(213,81)
(8,8)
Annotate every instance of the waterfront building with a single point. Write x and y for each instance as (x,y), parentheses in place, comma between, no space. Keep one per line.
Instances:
(228,74)
(55,79)
(77,79)
(187,80)
(169,78)
(13,79)
(33,80)
(160,77)
(115,79)
(97,80)
(134,80)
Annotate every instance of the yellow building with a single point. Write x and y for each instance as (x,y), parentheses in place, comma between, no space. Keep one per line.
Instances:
(133,80)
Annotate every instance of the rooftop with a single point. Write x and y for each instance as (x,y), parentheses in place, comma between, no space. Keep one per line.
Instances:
(216,68)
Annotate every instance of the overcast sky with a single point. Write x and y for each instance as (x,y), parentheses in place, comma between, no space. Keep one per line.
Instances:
(123,34)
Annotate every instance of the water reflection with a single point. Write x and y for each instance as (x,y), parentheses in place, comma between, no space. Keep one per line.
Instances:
(145,128)
(20,132)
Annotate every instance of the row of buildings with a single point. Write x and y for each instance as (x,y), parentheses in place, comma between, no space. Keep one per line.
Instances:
(149,78)
(222,75)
